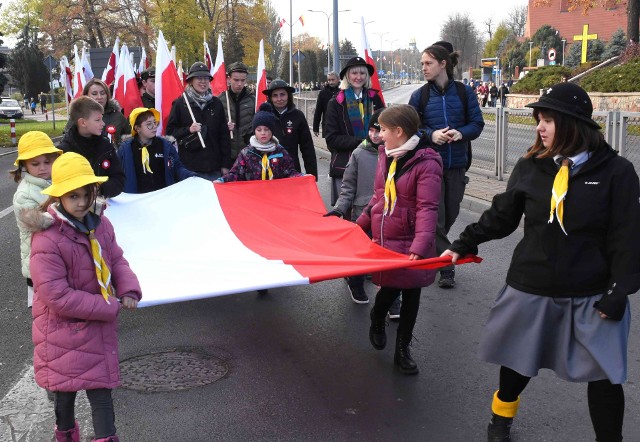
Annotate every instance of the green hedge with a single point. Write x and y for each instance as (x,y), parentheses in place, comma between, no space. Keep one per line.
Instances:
(541,78)
(621,78)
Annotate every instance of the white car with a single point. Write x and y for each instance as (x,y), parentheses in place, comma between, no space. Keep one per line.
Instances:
(10,108)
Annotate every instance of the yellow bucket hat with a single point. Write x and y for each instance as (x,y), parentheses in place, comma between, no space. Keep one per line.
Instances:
(33,144)
(133,116)
(69,172)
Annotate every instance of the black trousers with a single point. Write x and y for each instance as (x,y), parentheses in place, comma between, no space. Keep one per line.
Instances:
(606,402)
(408,311)
(101,411)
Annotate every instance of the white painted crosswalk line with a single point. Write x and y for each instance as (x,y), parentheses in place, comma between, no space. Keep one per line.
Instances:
(26,414)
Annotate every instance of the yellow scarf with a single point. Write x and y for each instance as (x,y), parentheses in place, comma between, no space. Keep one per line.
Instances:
(266,167)
(102,270)
(559,192)
(146,165)
(390,189)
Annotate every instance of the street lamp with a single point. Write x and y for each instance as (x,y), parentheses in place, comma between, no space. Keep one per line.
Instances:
(530,47)
(564,40)
(380,50)
(393,60)
(328,34)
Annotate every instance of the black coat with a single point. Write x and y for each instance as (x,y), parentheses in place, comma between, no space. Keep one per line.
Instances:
(101,155)
(324,96)
(339,132)
(292,130)
(215,132)
(601,215)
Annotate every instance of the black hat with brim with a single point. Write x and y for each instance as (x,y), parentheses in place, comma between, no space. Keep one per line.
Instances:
(356,61)
(149,73)
(278,84)
(569,99)
(199,69)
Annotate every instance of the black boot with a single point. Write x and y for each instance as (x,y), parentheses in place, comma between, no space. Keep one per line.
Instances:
(499,429)
(402,357)
(377,334)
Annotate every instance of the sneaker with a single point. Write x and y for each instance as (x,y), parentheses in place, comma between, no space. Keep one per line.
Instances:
(358,295)
(447,280)
(394,311)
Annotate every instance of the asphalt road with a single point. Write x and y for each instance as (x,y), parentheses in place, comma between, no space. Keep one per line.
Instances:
(299,365)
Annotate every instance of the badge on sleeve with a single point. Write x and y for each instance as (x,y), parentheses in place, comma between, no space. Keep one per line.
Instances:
(106,164)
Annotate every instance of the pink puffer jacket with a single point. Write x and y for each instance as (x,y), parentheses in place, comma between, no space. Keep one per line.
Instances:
(74,328)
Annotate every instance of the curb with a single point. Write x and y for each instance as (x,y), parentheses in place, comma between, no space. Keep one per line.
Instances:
(474,204)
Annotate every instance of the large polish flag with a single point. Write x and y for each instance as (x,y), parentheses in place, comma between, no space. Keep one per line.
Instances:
(168,84)
(219,72)
(78,75)
(86,66)
(365,52)
(196,240)
(261,72)
(126,90)
(109,73)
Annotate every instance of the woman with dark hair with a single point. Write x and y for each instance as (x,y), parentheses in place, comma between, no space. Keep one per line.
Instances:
(347,125)
(564,306)
(450,124)
(115,123)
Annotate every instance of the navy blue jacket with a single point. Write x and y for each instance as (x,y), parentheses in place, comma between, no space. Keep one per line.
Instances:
(446,109)
(174,171)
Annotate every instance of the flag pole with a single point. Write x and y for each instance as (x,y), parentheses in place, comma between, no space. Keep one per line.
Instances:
(228,111)
(184,95)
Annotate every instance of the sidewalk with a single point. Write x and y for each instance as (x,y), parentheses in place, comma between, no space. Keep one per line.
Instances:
(479,191)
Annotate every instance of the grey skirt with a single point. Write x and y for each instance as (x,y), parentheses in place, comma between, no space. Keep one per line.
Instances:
(528,332)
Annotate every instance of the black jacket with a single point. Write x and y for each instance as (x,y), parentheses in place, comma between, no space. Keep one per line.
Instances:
(292,130)
(102,157)
(340,139)
(324,96)
(215,132)
(148,101)
(601,214)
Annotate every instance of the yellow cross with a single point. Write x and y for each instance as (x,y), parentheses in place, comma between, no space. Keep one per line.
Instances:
(584,37)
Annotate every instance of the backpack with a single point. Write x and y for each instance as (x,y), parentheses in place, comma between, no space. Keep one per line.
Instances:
(425,91)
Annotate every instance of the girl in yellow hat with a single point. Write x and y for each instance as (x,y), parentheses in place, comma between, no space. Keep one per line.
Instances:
(36,154)
(81,280)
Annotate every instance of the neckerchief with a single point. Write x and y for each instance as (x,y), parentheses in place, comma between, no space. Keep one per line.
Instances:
(102,270)
(559,192)
(146,165)
(358,111)
(390,195)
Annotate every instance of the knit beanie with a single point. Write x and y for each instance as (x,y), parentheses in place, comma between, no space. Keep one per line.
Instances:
(264,117)
(373,124)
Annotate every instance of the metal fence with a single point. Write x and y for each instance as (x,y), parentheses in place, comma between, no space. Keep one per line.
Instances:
(508,133)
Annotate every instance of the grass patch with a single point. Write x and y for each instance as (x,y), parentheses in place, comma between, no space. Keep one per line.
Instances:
(24,126)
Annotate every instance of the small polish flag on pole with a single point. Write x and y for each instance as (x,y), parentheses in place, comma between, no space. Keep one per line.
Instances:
(168,84)
(218,72)
(261,72)
(109,74)
(365,52)
(78,75)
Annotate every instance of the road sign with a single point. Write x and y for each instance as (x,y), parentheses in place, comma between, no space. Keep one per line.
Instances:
(552,54)
(50,62)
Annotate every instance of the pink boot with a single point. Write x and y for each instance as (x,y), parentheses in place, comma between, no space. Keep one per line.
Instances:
(113,438)
(72,435)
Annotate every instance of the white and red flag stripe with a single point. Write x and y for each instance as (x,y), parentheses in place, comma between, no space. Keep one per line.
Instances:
(261,82)
(219,72)
(126,90)
(196,240)
(168,84)
(109,73)
(78,75)
(365,52)
(66,78)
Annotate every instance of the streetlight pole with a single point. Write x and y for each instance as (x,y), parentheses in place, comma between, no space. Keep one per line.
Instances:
(328,34)
(564,40)
(530,48)
(380,50)
(393,60)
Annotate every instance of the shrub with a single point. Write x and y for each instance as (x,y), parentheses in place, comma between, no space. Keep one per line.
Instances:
(620,78)
(540,78)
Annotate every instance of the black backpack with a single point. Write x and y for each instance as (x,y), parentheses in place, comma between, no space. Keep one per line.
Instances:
(425,91)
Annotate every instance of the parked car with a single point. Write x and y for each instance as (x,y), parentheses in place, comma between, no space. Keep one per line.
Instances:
(10,108)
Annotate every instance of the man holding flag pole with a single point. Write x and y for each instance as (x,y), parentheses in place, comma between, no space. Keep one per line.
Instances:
(239,106)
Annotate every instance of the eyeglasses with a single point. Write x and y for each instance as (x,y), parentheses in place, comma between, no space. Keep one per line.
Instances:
(150,124)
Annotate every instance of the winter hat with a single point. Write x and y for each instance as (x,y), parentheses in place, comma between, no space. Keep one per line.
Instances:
(69,172)
(373,120)
(356,61)
(149,73)
(445,44)
(264,117)
(33,144)
(199,69)
(569,99)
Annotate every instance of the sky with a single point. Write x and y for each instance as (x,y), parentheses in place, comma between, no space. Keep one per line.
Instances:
(402,20)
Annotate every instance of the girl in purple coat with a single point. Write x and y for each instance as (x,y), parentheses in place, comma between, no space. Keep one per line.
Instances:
(402,216)
(81,281)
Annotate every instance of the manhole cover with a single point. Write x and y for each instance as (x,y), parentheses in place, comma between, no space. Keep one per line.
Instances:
(171,370)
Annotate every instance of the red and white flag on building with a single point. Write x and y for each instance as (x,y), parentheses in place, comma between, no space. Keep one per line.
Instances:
(86,66)
(168,84)
(109,73)
(365,52)
(219,72)
(261,82)
(125,89)
(226,254)
(78,75)
(66,78)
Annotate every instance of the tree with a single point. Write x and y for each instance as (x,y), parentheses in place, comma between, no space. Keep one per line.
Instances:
(460,30)
(274,40)
(3,62)
(633,11)
(616,45)
(26,64)
(489,24)
(517,20)
(547,37)
(595,50)
(347,48)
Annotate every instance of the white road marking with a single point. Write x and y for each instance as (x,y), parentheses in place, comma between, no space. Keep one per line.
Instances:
(26,414)
(6,211)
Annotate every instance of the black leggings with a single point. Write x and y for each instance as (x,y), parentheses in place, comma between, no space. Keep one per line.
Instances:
(101,411)
(606,402)
(408,311)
